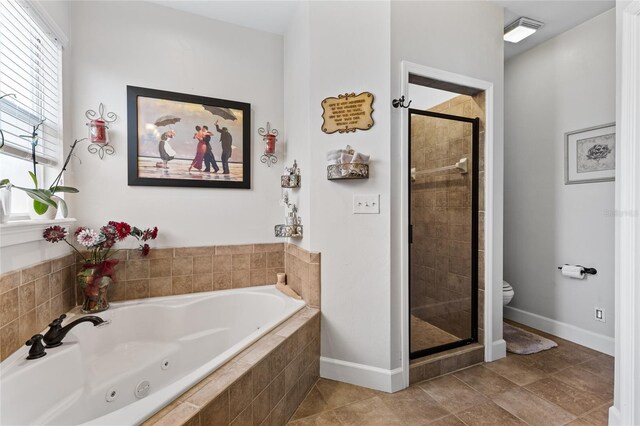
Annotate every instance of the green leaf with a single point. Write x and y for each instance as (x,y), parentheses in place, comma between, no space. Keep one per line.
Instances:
(38,195)
(68,189)
(39,207)
(62,206)
(35,179)
(4,182)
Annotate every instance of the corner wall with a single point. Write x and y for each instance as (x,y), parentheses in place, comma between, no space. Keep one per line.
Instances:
(565,84)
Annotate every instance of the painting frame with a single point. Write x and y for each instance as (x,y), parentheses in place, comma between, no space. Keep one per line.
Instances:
(580,168)
(133,137)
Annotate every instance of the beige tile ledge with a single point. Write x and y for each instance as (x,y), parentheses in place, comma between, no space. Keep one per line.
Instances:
(265,381)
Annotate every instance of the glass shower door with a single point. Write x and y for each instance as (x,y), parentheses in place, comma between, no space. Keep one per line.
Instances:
(443,282)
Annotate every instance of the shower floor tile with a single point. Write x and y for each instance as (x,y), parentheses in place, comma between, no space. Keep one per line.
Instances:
(425,335)
(569,383)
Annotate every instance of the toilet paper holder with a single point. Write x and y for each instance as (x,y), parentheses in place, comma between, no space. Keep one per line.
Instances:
(589,271)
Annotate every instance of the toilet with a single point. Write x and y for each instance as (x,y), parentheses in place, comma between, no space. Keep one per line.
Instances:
(507,293)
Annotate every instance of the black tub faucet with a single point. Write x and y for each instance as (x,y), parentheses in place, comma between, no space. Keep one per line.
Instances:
(56,333)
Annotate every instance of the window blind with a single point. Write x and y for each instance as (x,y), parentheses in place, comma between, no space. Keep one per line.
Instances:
(30,74)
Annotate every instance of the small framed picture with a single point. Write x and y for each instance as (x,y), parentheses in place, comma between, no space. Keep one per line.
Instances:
(176,139)
(590,154)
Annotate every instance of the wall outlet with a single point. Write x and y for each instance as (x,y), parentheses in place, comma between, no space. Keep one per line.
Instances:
(366,204)
(599,315)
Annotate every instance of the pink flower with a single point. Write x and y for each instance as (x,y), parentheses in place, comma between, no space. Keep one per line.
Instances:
(88,237)
(54,234)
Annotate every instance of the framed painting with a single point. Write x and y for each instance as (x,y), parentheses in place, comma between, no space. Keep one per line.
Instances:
(590,154)
(184,140)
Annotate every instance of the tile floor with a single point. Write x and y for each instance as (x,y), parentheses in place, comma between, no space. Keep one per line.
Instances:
(567,385)
(425,335)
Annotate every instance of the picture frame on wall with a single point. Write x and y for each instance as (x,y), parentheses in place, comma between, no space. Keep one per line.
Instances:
(590,155)
(182,140)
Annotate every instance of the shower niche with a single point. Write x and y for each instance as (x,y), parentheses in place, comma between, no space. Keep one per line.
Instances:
(444,187)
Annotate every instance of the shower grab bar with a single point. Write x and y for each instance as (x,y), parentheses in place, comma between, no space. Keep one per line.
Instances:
(462,166)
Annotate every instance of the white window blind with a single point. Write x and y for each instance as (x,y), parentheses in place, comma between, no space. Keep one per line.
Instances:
(30,72)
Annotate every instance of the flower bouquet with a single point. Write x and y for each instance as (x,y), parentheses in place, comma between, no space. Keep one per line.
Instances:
(97,263)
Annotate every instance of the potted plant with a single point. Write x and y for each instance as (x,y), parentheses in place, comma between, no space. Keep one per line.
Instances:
(44,199)
(97,264)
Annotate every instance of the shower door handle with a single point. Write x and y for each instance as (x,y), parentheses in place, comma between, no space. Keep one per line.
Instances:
(410,234)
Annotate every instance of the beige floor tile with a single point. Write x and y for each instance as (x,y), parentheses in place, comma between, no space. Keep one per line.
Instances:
(312,405)
(447,421)
(425,335)
(452,393)
(602,365)
(484,380)
(369,412)
(337,394)
(546,361)
(413,406)
(575,401)
(488,414)
(328,418)
(532,409)
(586,381)
(597,417)
(516,371)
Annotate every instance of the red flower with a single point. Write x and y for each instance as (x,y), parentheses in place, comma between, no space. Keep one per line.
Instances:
(53,234)
(145,249)
(150,234)
(123,229)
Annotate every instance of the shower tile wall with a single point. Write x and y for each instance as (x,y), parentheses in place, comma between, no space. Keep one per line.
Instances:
(441,215)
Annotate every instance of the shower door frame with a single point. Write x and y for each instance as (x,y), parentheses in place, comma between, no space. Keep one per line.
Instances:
(475,174)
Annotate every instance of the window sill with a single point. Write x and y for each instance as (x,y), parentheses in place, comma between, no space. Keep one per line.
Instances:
(27,231)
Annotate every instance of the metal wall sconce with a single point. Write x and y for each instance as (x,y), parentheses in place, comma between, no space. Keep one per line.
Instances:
(99,131)
(269,136)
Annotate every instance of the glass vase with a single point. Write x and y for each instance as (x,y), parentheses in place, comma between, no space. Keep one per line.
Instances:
(94,279)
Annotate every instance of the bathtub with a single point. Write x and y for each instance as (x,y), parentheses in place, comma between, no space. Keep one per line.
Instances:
(149,353)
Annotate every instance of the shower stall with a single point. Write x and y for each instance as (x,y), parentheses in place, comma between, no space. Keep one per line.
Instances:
(443,236)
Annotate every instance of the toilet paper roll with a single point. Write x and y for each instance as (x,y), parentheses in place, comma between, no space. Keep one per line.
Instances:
(572,271)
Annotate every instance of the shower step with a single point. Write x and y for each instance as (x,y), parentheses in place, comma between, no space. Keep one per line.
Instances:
(445,362)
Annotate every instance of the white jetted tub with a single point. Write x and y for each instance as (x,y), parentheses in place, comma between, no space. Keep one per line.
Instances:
(151,351)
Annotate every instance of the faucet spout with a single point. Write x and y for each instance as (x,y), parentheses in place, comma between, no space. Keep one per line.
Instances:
(56,333)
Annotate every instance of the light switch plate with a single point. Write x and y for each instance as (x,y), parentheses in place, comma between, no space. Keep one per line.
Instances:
(366,204)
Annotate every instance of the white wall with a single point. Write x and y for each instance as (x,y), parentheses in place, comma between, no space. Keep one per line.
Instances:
(463,37)
(115,44)
(565,84)
(424,98)
(297,106)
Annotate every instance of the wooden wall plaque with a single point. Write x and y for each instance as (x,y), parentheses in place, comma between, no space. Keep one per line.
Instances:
(347,113)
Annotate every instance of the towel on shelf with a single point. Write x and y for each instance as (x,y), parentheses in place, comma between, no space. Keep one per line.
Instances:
(358,157)
(335,154)
(333,162)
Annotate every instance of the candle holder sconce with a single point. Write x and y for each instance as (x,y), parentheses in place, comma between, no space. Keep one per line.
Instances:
(269,136)
(99,131)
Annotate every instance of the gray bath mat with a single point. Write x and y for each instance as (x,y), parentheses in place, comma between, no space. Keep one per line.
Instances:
(523,342)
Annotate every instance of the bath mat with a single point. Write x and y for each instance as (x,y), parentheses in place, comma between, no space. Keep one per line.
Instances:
(524,342)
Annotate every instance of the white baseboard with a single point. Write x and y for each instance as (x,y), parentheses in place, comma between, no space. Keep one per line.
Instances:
(595,341)
(614,416)
(362,375)
(499,350)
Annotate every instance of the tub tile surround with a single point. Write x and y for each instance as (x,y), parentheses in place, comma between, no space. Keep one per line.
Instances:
(263,385)
(32,297)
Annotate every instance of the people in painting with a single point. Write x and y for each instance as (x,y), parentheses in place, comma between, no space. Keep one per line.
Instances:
(201,148)
(225,140)
(209,159)
(164,148)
